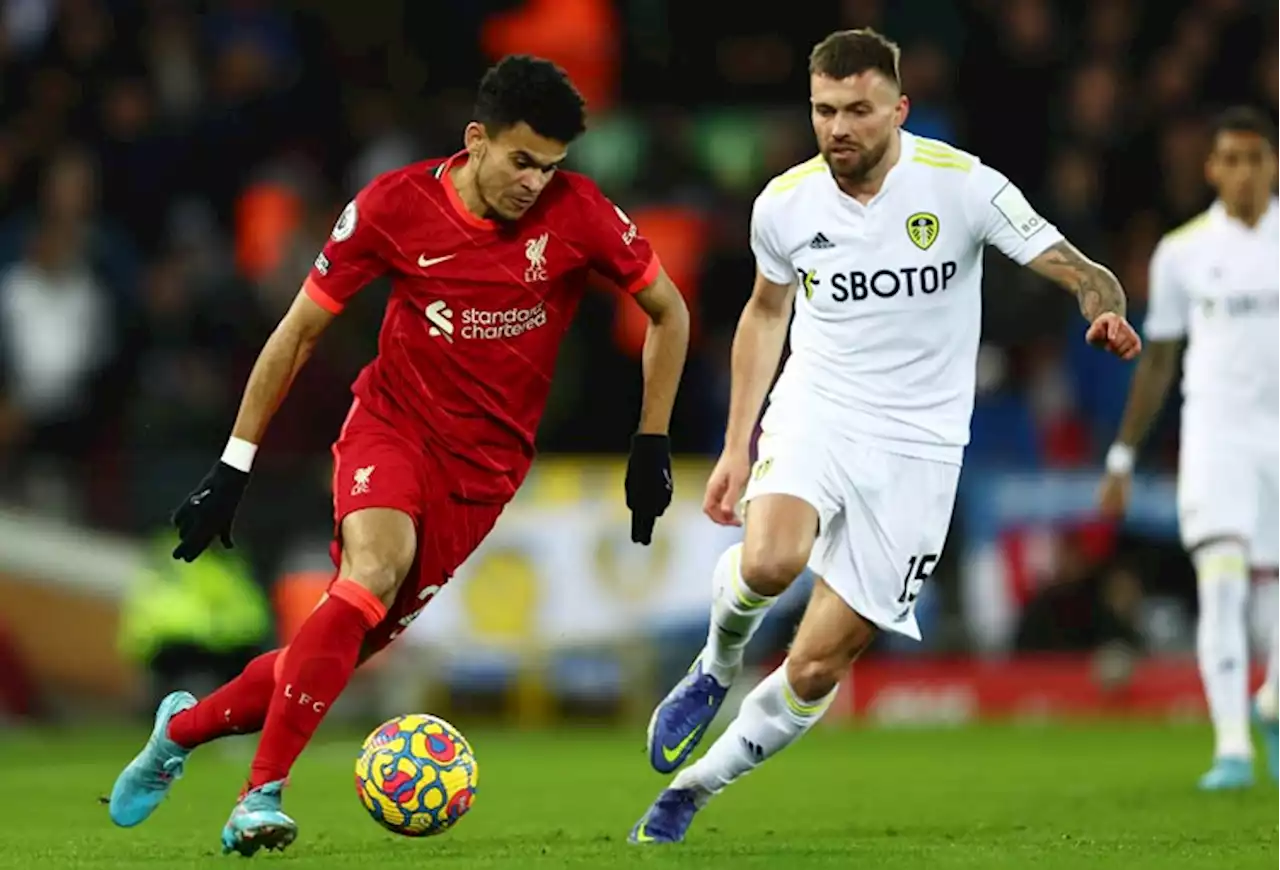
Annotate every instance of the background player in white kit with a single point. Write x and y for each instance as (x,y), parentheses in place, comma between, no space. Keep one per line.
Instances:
(877,243)
(1215,282)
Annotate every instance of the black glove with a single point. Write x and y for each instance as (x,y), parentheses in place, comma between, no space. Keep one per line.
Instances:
(208,511)
(648,483)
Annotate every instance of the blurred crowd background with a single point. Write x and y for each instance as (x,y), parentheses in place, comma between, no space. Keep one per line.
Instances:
(169,168)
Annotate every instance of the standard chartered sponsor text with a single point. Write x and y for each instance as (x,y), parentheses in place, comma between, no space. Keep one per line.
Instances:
(512,322)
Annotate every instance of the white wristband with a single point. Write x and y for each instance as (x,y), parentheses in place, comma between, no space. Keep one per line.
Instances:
(239,454)
(1120,459)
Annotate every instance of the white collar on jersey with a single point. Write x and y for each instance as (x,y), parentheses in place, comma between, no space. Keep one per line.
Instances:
(1218,214)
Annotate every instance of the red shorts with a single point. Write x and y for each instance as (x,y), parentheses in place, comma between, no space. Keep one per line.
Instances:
(374,466)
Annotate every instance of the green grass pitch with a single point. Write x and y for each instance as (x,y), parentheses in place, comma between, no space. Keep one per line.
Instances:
(1088,796)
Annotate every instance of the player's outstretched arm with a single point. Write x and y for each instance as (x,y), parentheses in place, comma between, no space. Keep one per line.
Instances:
(648,482)
(757,349)
(286,351)
(207,513)
(1102,300)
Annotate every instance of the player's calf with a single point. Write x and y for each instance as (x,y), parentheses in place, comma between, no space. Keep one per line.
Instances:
(830,638)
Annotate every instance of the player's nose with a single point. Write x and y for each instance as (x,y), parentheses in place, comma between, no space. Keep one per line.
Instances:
(841,128)
(533,182)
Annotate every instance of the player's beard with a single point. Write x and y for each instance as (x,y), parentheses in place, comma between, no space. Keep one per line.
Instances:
(856,166)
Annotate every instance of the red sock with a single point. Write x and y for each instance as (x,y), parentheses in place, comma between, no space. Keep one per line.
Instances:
(239,707)
(321,659)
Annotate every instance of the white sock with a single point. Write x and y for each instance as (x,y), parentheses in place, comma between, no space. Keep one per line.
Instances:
(1266,611)
(770,719)
(1222,649)
(736,612)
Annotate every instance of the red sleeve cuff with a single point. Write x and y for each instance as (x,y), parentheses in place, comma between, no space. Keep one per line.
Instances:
(321,298)
(647,277)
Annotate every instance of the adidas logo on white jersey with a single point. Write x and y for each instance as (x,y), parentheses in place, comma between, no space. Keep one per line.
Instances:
(821,242)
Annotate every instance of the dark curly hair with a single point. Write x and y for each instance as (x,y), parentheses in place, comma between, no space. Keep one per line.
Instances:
(536,91)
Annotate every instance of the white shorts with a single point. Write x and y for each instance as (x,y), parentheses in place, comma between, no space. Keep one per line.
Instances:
(883,518)
(1230,492)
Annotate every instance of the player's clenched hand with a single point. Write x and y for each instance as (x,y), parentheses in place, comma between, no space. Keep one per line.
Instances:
(208,511)
(1113,497)
(648,483)
(724,488)
(1113,333)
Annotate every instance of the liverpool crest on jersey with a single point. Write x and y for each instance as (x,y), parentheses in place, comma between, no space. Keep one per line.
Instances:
(922,229)
(536,251)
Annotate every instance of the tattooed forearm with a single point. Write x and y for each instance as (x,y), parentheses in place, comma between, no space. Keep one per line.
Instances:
(1096,288)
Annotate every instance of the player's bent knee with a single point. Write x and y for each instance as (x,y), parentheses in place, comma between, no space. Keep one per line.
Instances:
(378,549)
(770,570)
(779,538)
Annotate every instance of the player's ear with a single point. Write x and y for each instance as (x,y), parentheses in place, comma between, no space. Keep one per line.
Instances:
(474,138)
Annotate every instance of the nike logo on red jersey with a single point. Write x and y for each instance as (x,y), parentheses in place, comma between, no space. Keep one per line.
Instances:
(423,262)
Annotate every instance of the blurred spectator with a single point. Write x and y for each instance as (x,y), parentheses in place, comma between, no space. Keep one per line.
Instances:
(1074,198)
(61,306)
(1183,147)
(1109,28)
(56,328)
(926,71)
(384,142)
(1093,105)
(171,55)
(1089,603)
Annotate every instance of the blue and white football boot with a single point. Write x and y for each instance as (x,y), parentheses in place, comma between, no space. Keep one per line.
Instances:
(681,720)
(1227,774)
(669,818)
(257,822)
(143,784)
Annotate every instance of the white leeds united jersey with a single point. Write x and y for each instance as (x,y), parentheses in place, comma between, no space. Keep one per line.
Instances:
(888,313)
(1215,281)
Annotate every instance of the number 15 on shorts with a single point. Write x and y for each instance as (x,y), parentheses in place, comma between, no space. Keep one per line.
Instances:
(919,569)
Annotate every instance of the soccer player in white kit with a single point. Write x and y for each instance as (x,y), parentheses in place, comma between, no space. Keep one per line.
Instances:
(877,244)
(1215,284)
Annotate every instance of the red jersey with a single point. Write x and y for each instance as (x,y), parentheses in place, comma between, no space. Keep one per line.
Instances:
(477,312)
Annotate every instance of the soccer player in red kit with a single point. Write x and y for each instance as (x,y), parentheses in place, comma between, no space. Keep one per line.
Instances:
(488,252)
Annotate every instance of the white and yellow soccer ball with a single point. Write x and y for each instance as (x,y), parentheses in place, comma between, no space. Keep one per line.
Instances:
(416,775)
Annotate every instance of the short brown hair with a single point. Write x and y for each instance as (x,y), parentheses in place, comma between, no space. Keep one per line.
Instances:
(850,52)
